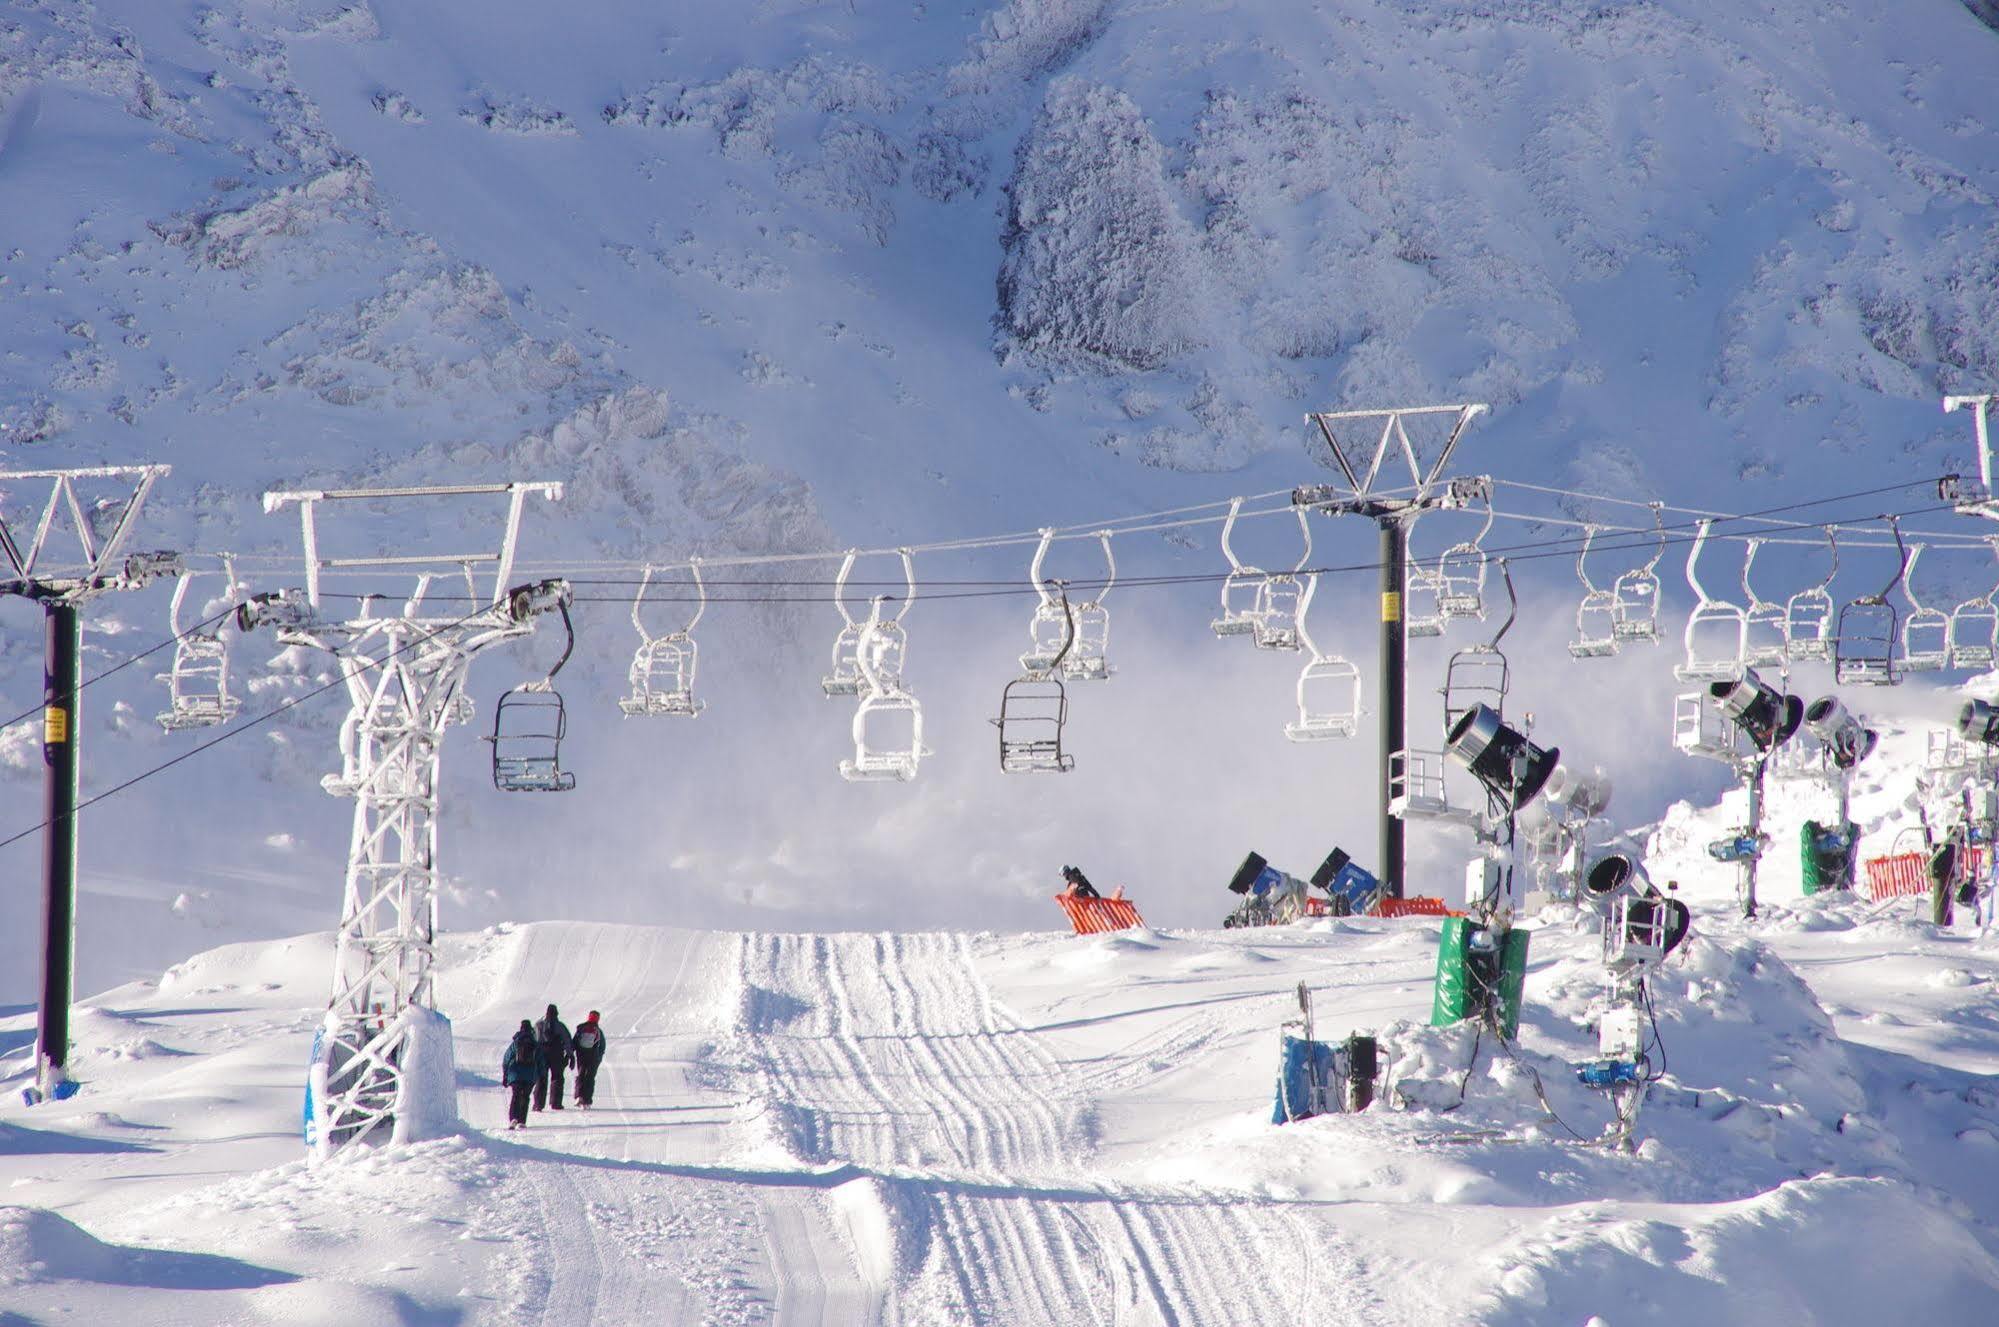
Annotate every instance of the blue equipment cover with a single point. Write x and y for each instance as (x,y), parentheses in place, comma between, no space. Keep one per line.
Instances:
(1304,1075)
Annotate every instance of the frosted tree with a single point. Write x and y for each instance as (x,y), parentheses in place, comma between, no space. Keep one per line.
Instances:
(1098,259)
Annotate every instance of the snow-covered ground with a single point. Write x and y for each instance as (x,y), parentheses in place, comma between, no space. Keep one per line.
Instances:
(951,1128)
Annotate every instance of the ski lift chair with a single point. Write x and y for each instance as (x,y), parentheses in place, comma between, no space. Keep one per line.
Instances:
(845,677)
(1866,642)
(198,685)
(1809,615)
(1328,686)
(663,667)
(1764,638)
(1033,710)
(1925,631)
(1478,674)
(1279,600)
(1087,657)
(1461,573)
(1596,615)
(1239,587)
(529,724)
(1974,633)
(1636,593)
(886,707)
(1714,634)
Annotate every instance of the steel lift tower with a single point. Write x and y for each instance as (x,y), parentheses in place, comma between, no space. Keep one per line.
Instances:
(99,532)
(382,1066)
(1428,490)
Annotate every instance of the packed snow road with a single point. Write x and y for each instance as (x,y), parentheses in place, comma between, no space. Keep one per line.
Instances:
(855,1128)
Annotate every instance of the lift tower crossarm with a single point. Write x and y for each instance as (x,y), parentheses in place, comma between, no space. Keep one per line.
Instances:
(501,559)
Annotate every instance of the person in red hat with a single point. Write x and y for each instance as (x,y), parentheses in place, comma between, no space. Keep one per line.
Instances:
(588,1043)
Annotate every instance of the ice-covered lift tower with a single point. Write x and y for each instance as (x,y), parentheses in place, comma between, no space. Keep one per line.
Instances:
(382,1062)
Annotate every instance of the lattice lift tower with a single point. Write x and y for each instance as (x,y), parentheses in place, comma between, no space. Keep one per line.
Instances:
(382,1061)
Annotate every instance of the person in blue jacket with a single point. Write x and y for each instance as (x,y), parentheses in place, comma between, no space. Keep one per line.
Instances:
(521,1069)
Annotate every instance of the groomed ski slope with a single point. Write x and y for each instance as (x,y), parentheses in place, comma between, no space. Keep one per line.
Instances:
(944,1128)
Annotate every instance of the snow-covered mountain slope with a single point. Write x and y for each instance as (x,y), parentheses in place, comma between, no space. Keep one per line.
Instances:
(1028,1129)
(797,275)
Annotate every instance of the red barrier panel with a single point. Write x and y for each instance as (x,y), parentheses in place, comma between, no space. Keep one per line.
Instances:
(1093,916)
(1906,874)
(1412,907)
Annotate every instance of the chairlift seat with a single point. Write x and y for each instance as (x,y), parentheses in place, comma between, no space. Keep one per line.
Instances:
(198,687)
(1926,640)
(1088,659)
(1460,582)
(845,679)
(1596,626)
(528,728)
(1864,648)
(1276,625)
(1808,621)
(1714,640)
(662,678)
(1239,595)
(1765,640)
(1973,638)
(1033,711)
(1477,675)
(1635,607)
(1335,684)
(874,762)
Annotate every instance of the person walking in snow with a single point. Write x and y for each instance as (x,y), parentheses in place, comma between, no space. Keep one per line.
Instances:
(589,1045)
(521,1069)
(556,1054)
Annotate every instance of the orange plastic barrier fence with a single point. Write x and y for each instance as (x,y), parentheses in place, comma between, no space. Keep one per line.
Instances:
(1906,874)
(1413,907)
(1093,916)
(1388,907)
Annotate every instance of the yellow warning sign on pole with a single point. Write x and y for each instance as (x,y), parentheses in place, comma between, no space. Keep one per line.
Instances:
(55,725)
(1391,606)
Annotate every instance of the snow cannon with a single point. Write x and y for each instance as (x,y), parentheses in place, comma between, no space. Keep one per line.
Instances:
(1845,739)
(1512,768)
(1352,889)
(1767,716)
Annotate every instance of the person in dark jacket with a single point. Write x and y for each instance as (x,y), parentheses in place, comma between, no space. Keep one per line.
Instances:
(521,1069)
(589,1044)
(556,1055)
